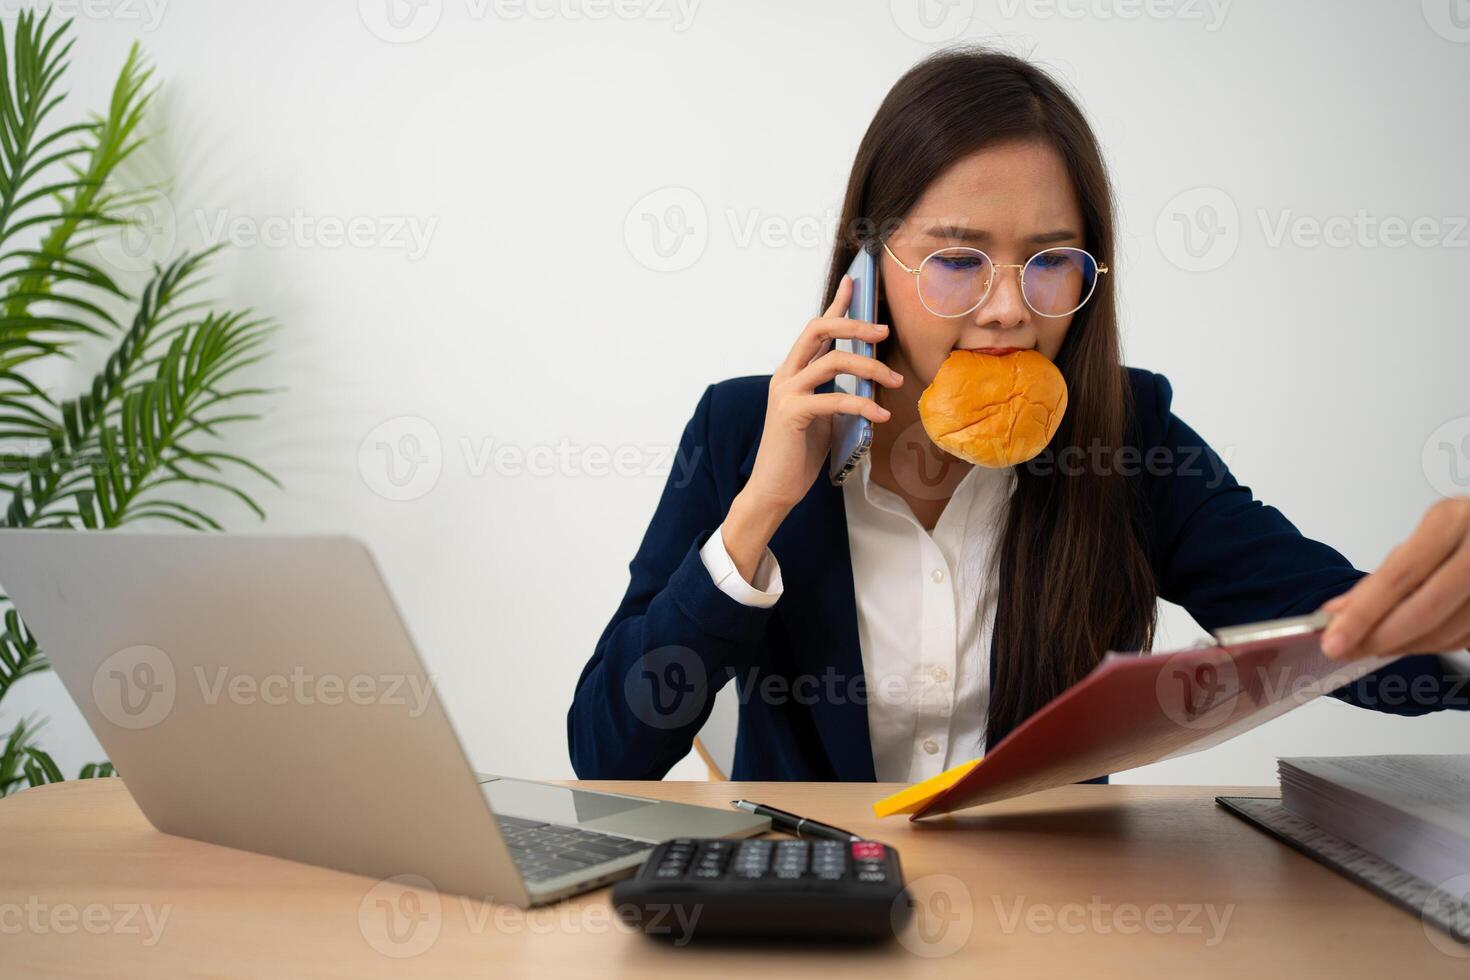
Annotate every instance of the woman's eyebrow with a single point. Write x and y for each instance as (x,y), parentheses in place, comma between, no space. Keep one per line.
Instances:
(965,233)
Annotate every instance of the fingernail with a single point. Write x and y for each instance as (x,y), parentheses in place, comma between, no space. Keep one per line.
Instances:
(882,327)
(1334,644)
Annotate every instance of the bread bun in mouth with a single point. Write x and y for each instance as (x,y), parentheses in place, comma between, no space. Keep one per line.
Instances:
(994,410)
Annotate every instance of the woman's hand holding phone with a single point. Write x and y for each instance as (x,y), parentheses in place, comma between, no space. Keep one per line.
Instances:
(798,428)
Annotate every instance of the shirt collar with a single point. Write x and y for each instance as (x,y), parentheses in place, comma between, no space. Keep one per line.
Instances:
(980,480)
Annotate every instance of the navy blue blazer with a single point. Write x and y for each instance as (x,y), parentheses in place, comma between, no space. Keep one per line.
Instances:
(676,638)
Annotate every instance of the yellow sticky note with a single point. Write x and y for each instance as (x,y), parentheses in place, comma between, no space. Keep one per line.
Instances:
(914,797)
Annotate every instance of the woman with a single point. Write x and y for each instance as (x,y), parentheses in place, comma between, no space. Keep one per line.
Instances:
(896,625)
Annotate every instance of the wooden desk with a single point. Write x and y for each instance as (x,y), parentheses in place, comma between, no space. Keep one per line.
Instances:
(1081,881)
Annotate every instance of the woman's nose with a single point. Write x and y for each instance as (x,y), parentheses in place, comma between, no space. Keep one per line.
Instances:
(1005,306)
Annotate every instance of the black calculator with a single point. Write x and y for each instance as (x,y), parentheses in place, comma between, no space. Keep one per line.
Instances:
(692,887)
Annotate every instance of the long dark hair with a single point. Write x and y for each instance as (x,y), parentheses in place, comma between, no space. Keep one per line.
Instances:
(1075,577)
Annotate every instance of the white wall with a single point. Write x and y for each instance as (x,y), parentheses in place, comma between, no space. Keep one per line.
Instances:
(518,141)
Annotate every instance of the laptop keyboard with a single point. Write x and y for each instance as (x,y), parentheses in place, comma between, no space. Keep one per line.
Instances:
(545,850)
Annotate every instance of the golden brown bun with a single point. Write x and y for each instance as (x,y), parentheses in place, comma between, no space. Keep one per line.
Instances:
(994,411)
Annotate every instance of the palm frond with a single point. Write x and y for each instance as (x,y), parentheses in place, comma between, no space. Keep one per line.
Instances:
(14,754)
(114,139)
(40,768)
(59,186)
(141,447)
(28,77)
(97,770)
(19,655)
(69,432)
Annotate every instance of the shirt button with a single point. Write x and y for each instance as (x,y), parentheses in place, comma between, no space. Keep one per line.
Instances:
(941,675)
(931,746)
(937,575)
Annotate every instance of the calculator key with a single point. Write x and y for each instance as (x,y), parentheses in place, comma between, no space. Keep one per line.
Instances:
(872,876)
(870,849)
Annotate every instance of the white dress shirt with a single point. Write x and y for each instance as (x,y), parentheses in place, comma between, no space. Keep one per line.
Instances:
(925,610)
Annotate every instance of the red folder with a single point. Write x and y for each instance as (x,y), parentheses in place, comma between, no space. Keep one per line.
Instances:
(1135,709)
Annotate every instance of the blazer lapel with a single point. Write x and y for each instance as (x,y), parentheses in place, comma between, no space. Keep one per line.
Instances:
(819,612)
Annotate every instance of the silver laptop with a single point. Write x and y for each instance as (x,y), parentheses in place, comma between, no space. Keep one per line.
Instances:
(262,692)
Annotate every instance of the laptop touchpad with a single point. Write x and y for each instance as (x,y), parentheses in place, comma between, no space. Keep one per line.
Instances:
(554,804)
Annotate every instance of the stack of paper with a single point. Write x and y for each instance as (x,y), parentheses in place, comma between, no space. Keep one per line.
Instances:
(1411,810)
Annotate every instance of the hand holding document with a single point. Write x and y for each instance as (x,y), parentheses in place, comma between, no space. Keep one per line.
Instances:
(1135,709)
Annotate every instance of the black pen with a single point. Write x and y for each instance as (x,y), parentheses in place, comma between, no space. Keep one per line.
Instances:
(790,823)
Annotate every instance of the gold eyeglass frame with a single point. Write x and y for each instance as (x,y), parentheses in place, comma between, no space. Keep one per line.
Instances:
(995,267)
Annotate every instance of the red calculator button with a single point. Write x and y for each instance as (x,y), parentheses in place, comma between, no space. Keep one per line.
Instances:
(867,849)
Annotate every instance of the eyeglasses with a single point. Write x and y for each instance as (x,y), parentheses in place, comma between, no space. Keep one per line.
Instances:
(1055,282)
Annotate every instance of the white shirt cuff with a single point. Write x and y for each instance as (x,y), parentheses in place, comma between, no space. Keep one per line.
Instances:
(767,587)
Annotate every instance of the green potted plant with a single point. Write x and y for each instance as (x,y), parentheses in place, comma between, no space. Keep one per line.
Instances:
(150,423)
